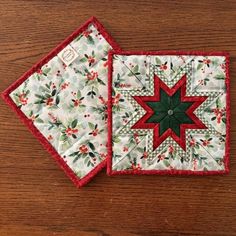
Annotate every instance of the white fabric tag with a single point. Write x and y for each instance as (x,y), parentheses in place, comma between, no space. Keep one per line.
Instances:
(68,55)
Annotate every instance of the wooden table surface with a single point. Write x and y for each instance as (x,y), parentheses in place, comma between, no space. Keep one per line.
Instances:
(36,198)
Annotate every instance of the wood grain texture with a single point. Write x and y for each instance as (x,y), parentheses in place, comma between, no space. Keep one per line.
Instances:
(36,198)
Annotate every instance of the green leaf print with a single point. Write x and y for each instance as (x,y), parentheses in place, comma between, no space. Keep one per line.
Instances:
(74,123)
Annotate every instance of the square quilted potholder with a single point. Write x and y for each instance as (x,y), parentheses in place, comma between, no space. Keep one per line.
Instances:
(63,101)
(168,113)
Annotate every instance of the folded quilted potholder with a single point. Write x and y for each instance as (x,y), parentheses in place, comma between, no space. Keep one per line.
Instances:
(168,113)
(63,100)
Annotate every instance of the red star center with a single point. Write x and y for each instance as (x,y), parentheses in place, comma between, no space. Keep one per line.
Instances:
(167,122)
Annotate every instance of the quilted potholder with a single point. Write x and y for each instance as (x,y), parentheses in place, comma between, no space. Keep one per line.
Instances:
(63,100)
(168,113)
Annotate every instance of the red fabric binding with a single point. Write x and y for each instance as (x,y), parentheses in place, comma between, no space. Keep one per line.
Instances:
(167,172)
(5,95)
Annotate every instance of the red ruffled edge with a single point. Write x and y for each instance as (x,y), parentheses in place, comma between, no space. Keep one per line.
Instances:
(5,95)
(167,172)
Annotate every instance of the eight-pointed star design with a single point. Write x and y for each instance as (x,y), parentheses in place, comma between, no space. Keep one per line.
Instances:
(169,112)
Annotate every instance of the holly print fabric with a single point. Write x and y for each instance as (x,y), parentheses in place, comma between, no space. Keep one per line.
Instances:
(66,100)
(90,104)
(169,113)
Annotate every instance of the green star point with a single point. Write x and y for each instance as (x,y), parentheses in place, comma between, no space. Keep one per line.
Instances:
(170,112)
